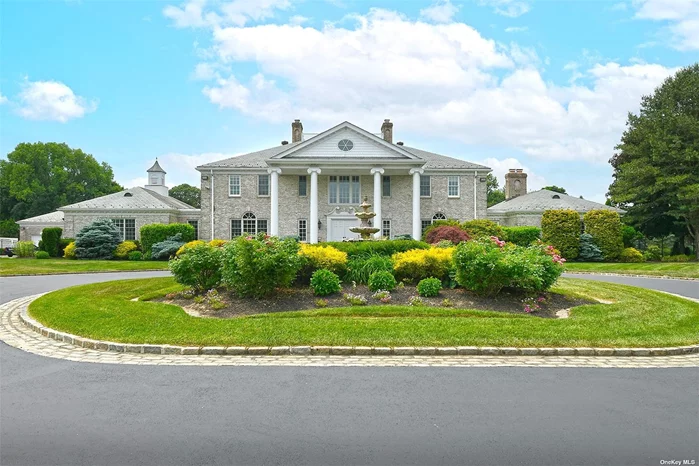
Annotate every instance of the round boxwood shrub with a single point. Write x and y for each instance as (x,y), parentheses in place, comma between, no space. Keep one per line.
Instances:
(607,231)
(199,267)
(561,229)
(454,234)
(429,287)
(135,256)
(98,240)
(42,255)
(324,282)
(631,255)
(382,280)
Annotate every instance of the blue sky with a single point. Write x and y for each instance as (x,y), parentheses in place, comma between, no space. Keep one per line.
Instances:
(508,83)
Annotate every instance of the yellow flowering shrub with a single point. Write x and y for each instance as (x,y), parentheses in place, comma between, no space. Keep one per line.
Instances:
(122,251)
(321,257)
(186,246)
(217,243)
(417,264)
(69,251)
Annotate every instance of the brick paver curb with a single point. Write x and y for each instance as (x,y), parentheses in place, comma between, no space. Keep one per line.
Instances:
(146,348)
(612,274)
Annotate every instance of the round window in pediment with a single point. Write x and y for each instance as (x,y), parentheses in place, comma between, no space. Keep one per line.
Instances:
(345,145)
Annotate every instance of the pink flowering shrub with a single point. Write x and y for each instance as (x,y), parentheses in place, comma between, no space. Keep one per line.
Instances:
(486,266)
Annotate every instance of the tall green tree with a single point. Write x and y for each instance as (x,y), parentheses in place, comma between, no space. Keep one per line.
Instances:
(495,193)
(187,193)
(656,168)
(37,178)
(557,189)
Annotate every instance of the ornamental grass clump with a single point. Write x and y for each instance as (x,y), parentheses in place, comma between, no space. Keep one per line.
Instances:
(198,267)
(486,266)
(423,263)
(429,287)
(360,268)
(254,266)
(382,280)
(24,249)
(324,282)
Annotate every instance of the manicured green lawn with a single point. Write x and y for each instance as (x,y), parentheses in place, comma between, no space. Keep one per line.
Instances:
(56,266)
(670,269)
(637,317)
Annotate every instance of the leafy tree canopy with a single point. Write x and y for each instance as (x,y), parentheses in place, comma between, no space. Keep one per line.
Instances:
(187,193)
(37,178)
(656,168)
(557,189)
(495,193)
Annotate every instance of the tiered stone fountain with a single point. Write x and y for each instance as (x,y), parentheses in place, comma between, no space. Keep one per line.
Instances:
(364,229)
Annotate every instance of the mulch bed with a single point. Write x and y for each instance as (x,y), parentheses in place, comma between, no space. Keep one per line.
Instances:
(300,299)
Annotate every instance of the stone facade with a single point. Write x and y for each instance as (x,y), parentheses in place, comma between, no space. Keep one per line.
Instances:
(397,207)
(517,219)
(74,222)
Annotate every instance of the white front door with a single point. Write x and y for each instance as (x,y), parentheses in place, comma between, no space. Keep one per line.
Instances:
(338,228)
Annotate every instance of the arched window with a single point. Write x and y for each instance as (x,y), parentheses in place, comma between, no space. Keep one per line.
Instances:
(439,216)
(249,224)
(555,196)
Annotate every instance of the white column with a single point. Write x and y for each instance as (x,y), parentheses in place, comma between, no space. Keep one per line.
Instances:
(274,200)
(313,220)
(378,220)
(417,224)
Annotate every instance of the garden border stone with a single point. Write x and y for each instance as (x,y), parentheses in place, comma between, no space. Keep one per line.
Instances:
(166,349)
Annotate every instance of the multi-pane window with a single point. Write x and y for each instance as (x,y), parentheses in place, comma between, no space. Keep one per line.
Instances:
(425,186)
(386,186)
(303,185)
(453,186)
(195,224)
(386,228)
(425,224)
(437,216)
(303,230)
(343,189)
(263,185)
(126,227)
(234,185)
(249,224)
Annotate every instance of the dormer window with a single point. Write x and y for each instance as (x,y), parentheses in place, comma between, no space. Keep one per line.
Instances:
(128,195)
(555,196)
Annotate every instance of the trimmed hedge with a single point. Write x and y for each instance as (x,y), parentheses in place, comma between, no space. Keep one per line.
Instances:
(561,229)
(50,240)
(158,232)
(384,247)
(483,229)
(607,231)
(521,236)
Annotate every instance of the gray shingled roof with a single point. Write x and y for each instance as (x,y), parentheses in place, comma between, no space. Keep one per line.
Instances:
(539,201)
(258,159)
(51,217)
(131,199)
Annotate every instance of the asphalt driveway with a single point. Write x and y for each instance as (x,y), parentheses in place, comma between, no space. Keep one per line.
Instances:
(56,412)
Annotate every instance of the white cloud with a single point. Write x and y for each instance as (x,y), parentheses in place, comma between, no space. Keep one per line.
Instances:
(682,17)
(298,20)
(180,168)
(517,29)
(188,15)
(434,80)
(52,100)
(621,6)
(3,99)
(509,8)
(502,166)
(236,12)
(442,11)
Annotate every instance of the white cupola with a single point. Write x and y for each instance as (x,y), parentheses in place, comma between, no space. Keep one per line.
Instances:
(156,179)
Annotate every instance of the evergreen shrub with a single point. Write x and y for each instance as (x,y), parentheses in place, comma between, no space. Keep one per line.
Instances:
(521,236)
(652,253)
(320,256)
(62,244)
(50,239)
(631,255)
(429,287)
(423,263)
(606,229)
(135,256)
(98,240)
(125,247)
(69,251)
(482,229)
(42,255)
(164,250)
(589,252)
(384,247)
(382,280)
(561,229)
(158,232)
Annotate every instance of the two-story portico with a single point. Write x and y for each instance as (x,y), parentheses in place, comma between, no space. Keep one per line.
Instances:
(311,187)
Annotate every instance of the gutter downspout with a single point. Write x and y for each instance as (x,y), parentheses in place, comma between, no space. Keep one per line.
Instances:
(212,203)
(475,194)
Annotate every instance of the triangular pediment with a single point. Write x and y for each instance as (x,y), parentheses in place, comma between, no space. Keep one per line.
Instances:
(333,144)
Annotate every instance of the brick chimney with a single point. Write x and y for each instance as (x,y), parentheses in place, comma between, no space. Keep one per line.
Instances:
(296,131)
(515,183)
(387,131)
